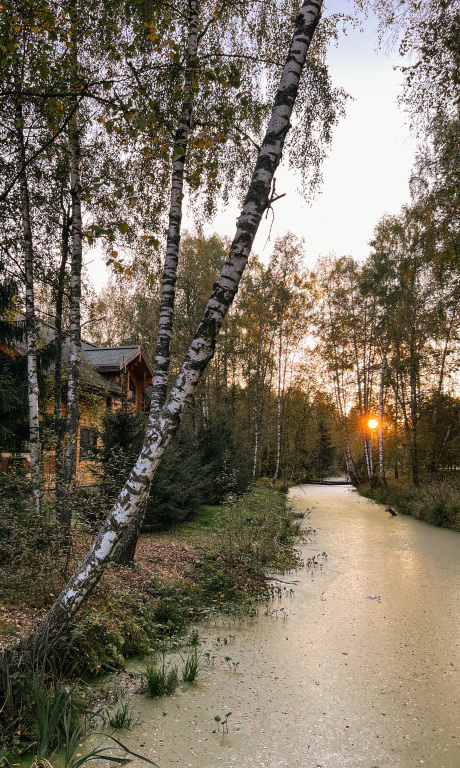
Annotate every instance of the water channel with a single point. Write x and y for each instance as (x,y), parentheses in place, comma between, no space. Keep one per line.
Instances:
(363,671)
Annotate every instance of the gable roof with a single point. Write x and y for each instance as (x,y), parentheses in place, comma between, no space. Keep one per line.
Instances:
(90,377)
(114,359)
(96,361)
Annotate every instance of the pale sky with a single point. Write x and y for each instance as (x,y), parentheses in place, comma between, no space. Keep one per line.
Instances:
(366,173)
(368,168)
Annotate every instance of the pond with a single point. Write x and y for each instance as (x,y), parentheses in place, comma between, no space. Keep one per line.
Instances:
(358,666)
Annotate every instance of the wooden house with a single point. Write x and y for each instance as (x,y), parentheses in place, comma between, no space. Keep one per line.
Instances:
(108,375)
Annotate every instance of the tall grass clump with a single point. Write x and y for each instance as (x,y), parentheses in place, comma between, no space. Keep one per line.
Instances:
(35,698)
(48,711)
(161,680)
(192,664)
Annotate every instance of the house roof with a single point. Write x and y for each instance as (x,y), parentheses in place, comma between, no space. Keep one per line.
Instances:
(91,378)
(96,361)
(107,359)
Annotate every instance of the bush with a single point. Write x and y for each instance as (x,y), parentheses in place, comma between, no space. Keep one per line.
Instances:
(30,557)
(256,526)
(227,463)
(104,639)
(180,485)
(122,435)
(196,468)
(168,614)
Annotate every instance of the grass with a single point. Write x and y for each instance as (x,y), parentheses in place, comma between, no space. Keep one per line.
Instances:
(161,681)
(196,531)
(437,502)
(121,717)
(192,664)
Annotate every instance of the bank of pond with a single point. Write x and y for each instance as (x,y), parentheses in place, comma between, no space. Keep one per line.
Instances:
(256,661)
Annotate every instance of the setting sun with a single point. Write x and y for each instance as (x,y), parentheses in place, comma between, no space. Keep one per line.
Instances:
(372,423)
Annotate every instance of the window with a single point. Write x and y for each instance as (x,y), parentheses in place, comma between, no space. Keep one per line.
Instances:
(145,402)
(88,443)
(131,390)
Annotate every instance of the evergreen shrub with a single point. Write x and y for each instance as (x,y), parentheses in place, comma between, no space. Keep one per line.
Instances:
(29,544)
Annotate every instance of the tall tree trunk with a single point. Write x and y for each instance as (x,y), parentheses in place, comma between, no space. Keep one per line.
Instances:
(349,462)
(31,325)
(168,289)
(367,448)
(225,369)
(435,452)
(127,546)
(414,370)
(161,428)
(383,480)
(60,290)
(255,405)
(278,401)
(73,381)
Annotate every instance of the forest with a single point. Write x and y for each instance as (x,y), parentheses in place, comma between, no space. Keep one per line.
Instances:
(202,369)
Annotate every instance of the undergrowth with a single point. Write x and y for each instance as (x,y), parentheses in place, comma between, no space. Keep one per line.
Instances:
(436,502)
(243,539)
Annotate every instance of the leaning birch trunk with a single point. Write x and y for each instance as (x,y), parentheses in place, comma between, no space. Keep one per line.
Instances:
(383,480)
(127,547)
(31,326)
(162,428)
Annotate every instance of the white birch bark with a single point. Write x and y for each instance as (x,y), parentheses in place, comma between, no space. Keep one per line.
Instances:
(168,289)
(73,381)
(162,428)
(434,453)
(31,325)
(127,546)
(350,464)
(70,456)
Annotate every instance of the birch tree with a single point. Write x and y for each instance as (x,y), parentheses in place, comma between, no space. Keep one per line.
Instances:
(161,429)
(223,43)
(31,324)
(70,455)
